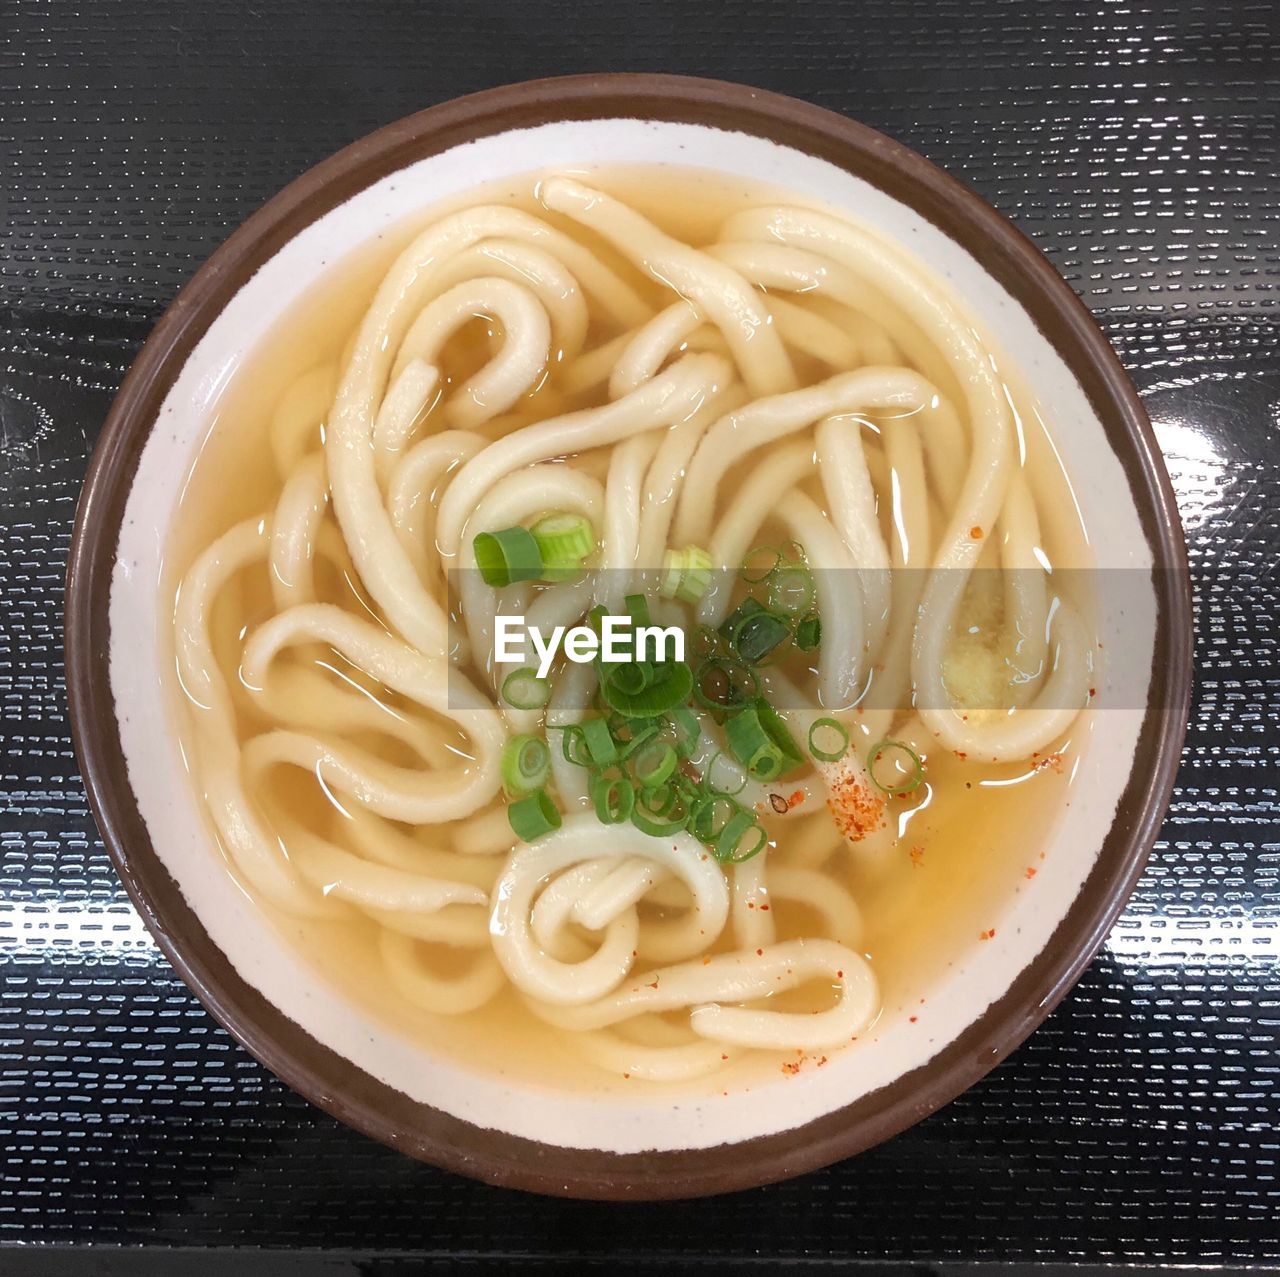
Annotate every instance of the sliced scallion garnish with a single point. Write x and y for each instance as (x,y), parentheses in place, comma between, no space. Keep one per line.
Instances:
(523,689)
(526,762)
(740,839)
(828,739)
(533,816)
(808,633)
(507,556)
(903,759)
(654,763)
(613,798)
(686,574)
(563,540)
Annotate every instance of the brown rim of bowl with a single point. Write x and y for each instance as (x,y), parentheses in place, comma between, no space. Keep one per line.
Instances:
(333,1083)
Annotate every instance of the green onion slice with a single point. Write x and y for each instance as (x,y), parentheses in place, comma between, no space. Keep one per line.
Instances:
(736,780)
(598,742)
(710,815)
(809,632)
(828,739)
(759,563)
(791,589)
(507,556)
(563,540)
(687,730)
(523,689)
(638,608)
(662,810)
(573,746)
(903,760)
(740,839)
(613,797)
(660,697)
(686,574)
(526,762)
(760,741)
(757,635)
(533,816)
(654,763)
(723,682)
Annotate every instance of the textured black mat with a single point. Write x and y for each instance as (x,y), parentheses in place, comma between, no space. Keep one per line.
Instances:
(1137,143)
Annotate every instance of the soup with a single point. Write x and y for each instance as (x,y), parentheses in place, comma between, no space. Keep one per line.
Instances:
(654,395)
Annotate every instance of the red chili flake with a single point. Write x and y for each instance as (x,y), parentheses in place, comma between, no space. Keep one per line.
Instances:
(724,1057)
(976,532)
(626,1075)
(917,857)
(791,1068)
(839,975)
(764,908)
(1031,873)
(1050,760)
(796,799)
(759,953)
(987,935)
(914,1018)
(654,985)
(856,808)
(706,962)
(751,904)
(1093,691)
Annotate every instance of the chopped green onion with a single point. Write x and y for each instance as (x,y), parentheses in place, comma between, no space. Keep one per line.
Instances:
(660,811)
(638,608)
(759,740)
(751,745)
(828,739)
(710,815)
(911,767)
(687,729)
(809,632)
(654,763)
(533,816)
(613,797)
(642,731)
(737,775)
(791,589)
(563,540)
(507,556)
(729,842)
(573,746)
(686,574)
(748,607)
(658,698)
(721,682)
(759,563)
(757,635)
(526,761)
(523,689)
(630,677)
(598,742)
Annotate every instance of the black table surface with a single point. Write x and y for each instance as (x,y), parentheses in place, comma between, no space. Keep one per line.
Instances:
(1136,142)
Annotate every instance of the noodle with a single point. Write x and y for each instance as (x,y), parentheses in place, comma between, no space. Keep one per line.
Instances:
(794,382)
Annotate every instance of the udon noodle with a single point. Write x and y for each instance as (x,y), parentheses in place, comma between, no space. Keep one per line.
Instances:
(764,373)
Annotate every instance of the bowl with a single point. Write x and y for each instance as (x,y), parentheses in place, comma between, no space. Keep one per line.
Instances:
(327,1049)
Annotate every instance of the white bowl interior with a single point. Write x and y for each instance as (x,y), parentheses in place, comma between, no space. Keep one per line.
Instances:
(168,804)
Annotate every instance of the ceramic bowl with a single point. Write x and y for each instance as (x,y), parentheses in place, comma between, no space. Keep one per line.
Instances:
(329,1049)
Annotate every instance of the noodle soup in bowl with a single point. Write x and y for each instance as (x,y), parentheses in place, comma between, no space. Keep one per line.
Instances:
(671,353)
